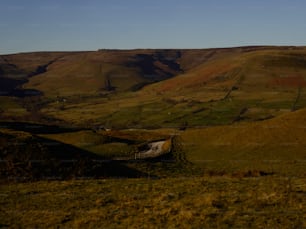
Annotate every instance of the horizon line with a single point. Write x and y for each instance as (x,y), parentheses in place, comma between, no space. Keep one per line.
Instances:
(134,49)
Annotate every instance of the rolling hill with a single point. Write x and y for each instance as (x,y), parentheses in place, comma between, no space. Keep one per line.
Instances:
(252,99)
(232,120)
(156,88)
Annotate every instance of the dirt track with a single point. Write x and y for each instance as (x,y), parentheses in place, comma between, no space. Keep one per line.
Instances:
(155,150)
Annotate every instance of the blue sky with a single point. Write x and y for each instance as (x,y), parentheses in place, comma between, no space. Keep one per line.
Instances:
(50,25)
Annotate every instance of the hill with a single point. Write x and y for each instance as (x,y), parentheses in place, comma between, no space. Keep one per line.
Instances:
(90,72)
(275,145)
(222,87)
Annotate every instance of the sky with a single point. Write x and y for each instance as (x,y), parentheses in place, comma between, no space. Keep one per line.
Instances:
(73,25)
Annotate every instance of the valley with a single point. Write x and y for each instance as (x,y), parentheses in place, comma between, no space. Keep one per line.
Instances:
(210,136)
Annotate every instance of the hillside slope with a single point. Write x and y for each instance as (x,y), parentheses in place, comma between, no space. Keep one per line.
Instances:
(160,88)
(105,71)
(278,141)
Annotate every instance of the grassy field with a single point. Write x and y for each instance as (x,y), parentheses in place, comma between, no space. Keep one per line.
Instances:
(10,107)
(183,202)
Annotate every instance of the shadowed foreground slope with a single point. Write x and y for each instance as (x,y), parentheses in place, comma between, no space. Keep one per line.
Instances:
(27,157)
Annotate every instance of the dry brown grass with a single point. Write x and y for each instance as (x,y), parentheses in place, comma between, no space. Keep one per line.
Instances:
(195,202)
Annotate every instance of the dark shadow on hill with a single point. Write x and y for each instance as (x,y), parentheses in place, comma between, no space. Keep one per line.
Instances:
(35,128)
(150,66)
(12,78)
(37,158)
(40,69)
(13,87)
